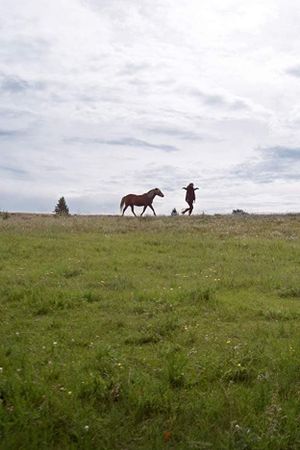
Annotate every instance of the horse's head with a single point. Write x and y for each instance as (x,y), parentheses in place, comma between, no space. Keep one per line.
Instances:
(158,192)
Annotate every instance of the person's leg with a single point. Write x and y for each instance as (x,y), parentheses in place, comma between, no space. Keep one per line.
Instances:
(191,209)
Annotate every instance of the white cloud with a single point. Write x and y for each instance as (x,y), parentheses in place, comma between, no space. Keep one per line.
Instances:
(101,97)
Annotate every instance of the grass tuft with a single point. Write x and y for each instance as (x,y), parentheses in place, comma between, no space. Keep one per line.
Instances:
(291,292)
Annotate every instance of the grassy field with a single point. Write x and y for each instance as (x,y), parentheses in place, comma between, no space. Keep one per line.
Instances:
(153,333)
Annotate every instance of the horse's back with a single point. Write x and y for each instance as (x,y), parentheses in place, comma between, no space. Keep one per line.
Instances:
(136,200)
(141,200)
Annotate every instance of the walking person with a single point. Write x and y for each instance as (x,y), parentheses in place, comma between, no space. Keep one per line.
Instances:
(190,197)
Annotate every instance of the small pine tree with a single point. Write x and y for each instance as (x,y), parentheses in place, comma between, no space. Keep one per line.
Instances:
(61,208)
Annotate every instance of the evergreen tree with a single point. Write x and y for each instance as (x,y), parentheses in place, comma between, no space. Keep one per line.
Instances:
(61,208)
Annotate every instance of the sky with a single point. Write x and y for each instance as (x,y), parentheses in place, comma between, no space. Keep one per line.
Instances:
(101,98)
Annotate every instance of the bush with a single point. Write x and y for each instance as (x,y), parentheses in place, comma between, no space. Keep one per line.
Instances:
(4,215)
(239,212)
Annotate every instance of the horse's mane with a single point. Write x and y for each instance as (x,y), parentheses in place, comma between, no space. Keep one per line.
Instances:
(150,192)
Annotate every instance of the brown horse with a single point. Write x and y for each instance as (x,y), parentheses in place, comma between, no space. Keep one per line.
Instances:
(140,200)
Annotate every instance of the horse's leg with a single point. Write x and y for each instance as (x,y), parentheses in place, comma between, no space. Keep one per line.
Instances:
(132,209)
(125,207)
(144,210)
(152,209)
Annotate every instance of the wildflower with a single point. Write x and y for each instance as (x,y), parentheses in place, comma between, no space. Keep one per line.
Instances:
(1,369)
(262,376)
(17,333)
(54,343)
(192,351)
(69,392)
(86,428)
(167,436)
(228,341)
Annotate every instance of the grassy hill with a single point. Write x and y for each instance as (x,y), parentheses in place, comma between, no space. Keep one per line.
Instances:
(153,333)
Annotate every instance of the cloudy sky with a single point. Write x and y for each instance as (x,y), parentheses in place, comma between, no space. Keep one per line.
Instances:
(100,98)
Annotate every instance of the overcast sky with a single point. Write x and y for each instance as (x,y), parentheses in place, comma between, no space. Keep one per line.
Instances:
(100,98)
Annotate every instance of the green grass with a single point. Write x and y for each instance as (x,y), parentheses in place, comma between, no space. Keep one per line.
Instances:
(154,333)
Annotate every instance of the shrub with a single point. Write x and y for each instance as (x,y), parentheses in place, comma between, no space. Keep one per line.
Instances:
(4,215)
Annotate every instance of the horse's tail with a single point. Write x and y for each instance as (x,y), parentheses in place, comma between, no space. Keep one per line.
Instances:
(122,203)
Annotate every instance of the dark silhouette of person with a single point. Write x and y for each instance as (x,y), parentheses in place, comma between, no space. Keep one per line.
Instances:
(190,197)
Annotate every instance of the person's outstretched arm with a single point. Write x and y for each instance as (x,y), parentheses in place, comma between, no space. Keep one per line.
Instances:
(184,188)
(195,189)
